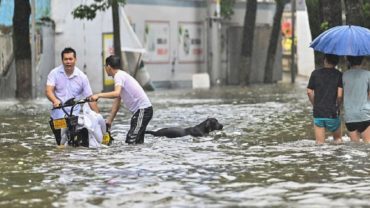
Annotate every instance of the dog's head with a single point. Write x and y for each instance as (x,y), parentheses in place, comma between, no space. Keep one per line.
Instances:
(212,124)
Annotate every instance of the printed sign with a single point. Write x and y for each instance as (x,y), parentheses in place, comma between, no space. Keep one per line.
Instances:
(108,49)
(190,42)
(157,41)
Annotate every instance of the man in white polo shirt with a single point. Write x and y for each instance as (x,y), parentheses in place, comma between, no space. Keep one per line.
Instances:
(133,96)
(65,82)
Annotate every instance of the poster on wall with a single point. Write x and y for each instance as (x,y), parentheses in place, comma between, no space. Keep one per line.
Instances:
(190,42)
(157,41)
(108,49)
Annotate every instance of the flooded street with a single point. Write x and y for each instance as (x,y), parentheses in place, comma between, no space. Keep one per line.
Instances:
(264,157)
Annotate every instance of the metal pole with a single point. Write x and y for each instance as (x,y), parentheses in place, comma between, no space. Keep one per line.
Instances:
(33,51)
(214,38)
(208,39)
(292,66)
(217,45)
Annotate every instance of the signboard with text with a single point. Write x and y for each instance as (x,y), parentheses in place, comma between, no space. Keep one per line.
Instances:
(157,41)
(108,49)
(190,42)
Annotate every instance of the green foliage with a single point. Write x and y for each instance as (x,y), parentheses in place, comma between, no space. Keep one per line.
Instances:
(89,11)
(324,25)
(227,8)
(180,30)
(146,29)
(366,10)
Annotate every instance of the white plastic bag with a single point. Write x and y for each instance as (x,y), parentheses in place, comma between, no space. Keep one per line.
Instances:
(93,122)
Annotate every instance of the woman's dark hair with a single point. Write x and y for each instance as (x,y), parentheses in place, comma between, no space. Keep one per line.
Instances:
(332,59)
(355,60)
(113,61)
(68,50)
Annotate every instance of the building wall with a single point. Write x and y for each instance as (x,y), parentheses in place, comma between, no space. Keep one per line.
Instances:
(83,36)
(305,60)
(8,83)
(174,69)
(265,13)
(44,53)
(86,36)
(44,62)
(305,54)
(190,11)
(6,52)
(260,46)
(45,58)
(7,67)
(6,13)
(7,10)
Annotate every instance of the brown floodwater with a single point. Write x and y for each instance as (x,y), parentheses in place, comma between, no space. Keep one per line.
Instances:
(264,157)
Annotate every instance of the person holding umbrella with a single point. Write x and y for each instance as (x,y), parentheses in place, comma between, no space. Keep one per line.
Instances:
(325,92)
(356,85)
(353,42)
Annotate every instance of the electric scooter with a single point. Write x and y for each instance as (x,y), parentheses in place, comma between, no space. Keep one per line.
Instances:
(77,135)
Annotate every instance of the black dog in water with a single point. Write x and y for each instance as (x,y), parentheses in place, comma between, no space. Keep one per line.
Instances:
(202,129)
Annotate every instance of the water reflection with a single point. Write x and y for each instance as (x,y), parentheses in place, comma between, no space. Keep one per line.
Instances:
(265,156)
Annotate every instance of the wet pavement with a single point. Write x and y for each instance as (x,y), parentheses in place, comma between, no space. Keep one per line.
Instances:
(264,157)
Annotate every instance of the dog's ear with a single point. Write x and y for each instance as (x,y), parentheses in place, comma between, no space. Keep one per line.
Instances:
(208,125)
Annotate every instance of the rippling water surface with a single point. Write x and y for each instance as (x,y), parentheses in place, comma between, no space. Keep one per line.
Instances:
(264,157)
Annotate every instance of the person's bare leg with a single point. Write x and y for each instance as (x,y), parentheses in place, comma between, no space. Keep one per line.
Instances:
(354,136)
(319,134)
(337,135)
(366,135)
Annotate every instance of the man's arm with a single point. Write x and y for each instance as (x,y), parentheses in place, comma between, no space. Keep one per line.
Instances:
(339,99)
(114,94)
(340,96)
(311,95)
(94,106)
(49,92)
(115,107)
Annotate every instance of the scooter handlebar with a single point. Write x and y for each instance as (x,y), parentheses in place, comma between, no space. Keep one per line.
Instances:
(72,102)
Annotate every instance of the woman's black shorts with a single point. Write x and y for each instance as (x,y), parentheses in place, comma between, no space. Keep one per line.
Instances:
(359,126)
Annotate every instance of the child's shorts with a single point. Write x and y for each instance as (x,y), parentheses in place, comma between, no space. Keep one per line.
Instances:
(331,124)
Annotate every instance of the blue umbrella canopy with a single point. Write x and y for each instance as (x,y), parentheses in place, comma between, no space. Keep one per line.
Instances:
(345,40)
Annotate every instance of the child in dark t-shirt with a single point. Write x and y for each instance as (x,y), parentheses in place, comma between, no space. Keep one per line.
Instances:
(325,92)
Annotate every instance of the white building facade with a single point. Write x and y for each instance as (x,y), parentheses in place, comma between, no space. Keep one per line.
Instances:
(173,32)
